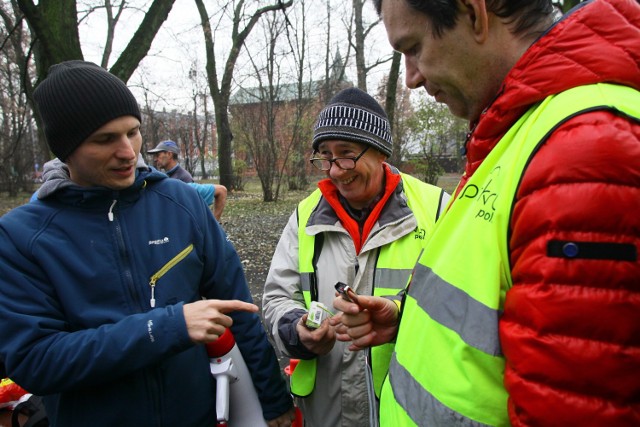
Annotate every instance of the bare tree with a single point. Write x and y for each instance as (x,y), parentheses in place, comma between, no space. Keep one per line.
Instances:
(112,21)
(221,89)
(335,67)
(151,123)
(201,124)
(55,38)
(54,28)
(301,123)
(434,137)
(357,38)
(400,112)
(259,126)
(359,35)
(202,136)
(19,149)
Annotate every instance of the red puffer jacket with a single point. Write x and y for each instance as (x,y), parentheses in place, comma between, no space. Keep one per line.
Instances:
(571,327)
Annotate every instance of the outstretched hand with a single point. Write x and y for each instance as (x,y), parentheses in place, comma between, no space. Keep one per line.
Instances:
(206,319)
(372,321)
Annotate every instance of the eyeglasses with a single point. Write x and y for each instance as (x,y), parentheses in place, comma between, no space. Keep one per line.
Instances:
(344,163)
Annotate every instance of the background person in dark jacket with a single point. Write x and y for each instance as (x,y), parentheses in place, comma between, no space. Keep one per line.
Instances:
(102,310)
(165,158)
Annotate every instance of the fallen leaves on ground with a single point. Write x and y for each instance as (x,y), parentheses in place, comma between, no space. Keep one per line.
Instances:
(254,228)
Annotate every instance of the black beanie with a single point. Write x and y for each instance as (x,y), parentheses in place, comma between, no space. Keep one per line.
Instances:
(353,115)
(76,99)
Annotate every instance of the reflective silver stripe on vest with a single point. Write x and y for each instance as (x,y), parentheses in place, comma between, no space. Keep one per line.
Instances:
(305,281)
(420,405)
(392,279)
(476,323)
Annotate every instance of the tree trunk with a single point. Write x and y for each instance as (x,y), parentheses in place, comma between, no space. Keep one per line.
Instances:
(359,48)
(54,28)
(220,93)
(140,43)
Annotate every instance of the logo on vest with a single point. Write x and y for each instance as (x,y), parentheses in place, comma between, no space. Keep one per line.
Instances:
(420,233)
(485,195)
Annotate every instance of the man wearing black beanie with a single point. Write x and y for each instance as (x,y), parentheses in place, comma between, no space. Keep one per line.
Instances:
(77,98)
(105,312)
(364,226)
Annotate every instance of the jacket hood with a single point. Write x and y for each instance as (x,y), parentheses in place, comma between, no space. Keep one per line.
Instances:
(55,176)
(56,180)
(596,42)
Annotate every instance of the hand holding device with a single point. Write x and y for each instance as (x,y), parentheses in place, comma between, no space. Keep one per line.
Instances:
(346,292)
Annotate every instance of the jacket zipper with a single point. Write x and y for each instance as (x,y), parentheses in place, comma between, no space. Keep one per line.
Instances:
(110,213)
(123,253)
(168,266)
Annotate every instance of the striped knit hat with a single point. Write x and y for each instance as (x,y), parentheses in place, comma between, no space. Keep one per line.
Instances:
(76,99)
(353,115)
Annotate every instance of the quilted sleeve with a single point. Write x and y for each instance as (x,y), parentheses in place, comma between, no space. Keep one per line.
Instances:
(571,326)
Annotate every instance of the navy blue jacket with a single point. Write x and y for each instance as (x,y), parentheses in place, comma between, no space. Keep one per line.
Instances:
(77,324)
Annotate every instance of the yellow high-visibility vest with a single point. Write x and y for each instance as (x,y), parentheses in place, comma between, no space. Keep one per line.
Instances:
(393,268)
(448,367)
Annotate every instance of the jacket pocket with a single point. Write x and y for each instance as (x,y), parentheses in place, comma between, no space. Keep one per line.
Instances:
(165,268)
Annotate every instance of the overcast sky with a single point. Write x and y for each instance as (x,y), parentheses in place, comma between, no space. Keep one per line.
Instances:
(179,45)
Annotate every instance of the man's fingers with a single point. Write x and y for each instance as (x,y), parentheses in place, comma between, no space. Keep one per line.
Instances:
(216,330)
(362,342)
(336,319)
(228,306)
(343,337)
(371,303)
(363,302)
(206,319)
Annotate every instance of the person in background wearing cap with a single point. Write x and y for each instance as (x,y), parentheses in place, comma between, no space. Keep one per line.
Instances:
(104,312)
(165,158)
(364,226)
(524,308)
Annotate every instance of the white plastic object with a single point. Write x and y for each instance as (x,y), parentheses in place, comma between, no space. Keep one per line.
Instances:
(237,403)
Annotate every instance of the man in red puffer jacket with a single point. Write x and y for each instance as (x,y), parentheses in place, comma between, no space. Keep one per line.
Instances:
(524,308)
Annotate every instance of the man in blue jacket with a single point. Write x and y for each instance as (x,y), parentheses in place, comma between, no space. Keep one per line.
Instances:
(54,170)
(104,311)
